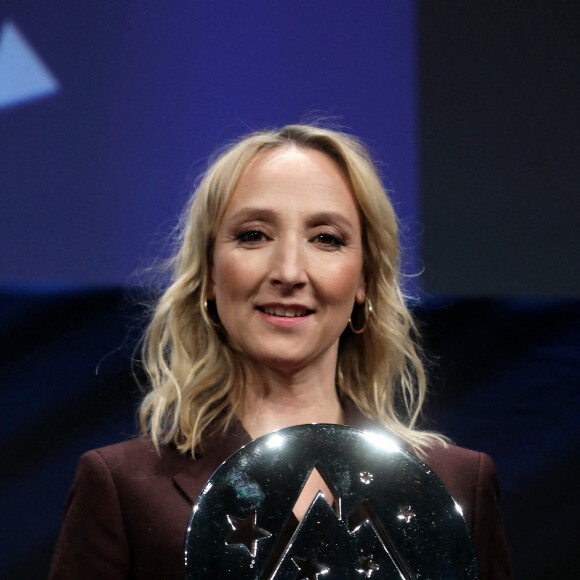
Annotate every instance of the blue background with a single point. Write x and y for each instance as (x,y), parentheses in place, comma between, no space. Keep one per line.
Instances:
(95,175)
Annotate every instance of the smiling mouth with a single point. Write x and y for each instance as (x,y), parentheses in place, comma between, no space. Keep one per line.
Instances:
(285,311)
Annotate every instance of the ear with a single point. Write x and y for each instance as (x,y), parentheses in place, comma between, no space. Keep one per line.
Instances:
(361,291)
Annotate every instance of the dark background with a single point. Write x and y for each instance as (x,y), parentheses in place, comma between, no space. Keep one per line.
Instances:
(471,108)
(500,147)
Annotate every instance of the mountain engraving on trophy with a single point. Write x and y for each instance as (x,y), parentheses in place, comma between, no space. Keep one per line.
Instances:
(323,539)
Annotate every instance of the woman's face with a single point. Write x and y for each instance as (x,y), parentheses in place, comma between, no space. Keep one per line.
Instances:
(288,260)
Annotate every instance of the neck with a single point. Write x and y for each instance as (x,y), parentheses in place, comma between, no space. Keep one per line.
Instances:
(275,399)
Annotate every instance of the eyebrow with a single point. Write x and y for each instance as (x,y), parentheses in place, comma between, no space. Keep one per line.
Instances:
(330,217)
(253,213)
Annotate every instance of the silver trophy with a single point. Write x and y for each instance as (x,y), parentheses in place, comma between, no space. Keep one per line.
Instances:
(390,516)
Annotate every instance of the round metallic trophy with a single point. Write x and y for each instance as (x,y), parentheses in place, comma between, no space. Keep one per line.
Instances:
(384,515)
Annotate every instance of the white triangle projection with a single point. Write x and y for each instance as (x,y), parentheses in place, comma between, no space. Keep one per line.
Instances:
(23,75)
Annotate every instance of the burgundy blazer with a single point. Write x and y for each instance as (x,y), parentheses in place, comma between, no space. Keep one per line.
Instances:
(129,507)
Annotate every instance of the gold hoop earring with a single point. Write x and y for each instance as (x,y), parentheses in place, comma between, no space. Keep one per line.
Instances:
(368,314)
(208,315)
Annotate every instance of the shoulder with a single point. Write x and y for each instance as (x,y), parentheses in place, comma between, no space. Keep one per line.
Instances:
(127,466)
(465,473)
(126,454)
(458,465)
(471,478)
(125,497)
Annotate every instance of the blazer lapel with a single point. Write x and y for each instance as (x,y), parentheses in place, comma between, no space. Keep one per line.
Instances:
(191,475)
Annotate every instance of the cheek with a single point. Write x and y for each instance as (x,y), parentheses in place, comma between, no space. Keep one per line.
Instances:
(342,282)
(232,275)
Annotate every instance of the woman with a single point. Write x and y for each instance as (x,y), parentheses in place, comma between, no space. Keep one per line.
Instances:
(284,308)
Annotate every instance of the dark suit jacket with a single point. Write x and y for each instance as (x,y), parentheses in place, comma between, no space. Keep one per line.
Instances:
(129,507)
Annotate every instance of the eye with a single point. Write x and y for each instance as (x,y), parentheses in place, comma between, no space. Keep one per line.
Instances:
(251,237)
(330,241)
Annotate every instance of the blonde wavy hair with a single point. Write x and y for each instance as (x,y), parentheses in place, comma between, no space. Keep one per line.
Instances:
(196,379)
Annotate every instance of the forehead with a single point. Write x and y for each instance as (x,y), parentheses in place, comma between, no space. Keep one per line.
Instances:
(292,173)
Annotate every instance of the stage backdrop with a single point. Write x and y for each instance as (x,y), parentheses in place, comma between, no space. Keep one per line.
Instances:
(108,110)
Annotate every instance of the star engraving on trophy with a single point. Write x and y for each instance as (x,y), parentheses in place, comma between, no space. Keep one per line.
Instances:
(406,513)
(309,568)
(246,532)
(363,514)
(367,566)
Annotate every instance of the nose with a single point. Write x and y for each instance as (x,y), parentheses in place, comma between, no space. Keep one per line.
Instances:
(288,268)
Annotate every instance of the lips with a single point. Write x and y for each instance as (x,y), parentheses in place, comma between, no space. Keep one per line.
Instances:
(285,311)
